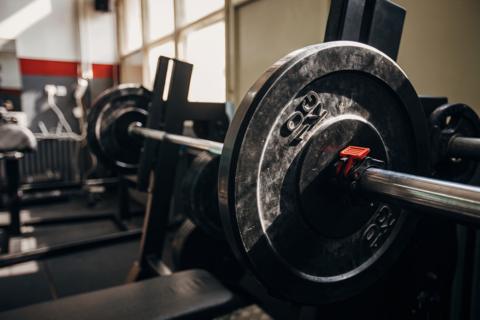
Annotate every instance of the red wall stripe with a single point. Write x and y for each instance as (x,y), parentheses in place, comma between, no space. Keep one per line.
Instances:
(11,91)
(102,70)
(34,67)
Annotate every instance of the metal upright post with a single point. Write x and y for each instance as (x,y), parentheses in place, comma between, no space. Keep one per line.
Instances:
(14,193)
(159,160)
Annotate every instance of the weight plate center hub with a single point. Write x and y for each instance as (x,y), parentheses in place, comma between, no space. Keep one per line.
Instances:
(108,121)
(327,207)
(306,240)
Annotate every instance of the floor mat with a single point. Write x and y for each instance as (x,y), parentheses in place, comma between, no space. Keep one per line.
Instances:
(24,284)
(74,273)
(41,236)
(93,269)
(71,206)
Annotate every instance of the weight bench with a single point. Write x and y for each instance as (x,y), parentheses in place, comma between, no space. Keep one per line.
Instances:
(191,294)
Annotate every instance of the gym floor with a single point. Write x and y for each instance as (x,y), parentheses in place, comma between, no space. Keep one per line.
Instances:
(77,272)
(70,274)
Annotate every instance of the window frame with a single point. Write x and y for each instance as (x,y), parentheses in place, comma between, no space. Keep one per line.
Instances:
(177,36)
(121,34)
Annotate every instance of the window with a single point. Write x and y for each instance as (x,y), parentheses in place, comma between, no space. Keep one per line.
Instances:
(166,49)
(131,69)
(192,10)
(160,18)
(190,30)
(131,21)
(208,59)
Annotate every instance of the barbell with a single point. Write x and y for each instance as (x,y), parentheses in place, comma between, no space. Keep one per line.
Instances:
(136,129)
(456,200)
(310,234)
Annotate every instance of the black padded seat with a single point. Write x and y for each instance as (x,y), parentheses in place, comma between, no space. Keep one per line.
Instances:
(192,294)
(16,138)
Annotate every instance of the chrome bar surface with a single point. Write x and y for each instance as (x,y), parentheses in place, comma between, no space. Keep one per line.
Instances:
(455,200)
(196,143)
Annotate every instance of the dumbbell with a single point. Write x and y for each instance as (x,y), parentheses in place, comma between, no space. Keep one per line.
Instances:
(322,172)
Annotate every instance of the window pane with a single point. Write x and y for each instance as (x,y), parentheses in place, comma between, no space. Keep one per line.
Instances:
(205,48)
(167,49)
(196,9)
(160,18)
(131,69)
(131,25)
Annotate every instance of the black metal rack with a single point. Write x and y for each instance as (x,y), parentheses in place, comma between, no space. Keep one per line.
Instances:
(159,160)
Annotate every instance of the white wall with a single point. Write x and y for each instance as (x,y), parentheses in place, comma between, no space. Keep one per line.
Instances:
(53,33)
(101,34)
(440,48)
(7,45)
(267,30)
(55,37)
(10,71)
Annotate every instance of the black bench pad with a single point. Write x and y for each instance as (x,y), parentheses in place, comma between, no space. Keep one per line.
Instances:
(191,294)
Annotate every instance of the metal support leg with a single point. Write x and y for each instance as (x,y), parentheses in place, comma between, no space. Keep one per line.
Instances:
(124,212)
(13,194)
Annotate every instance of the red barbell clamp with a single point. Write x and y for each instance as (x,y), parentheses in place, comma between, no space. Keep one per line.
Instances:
(349,156)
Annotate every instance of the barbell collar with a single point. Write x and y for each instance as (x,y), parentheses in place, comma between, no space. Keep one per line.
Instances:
(195,143)
(454,200)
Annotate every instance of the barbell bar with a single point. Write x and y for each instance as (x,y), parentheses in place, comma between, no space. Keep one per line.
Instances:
(159,135)
(458,201)
(454,200)
(457,146)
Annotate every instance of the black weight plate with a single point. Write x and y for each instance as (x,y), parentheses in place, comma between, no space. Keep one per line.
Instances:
(446,121)
(200,196)
(108,120)
(192,248)
(211,130)
(303,239)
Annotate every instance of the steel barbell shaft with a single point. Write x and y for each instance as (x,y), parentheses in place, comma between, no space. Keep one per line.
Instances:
(458,201)
(455,200)
(464,147)
(196,143)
